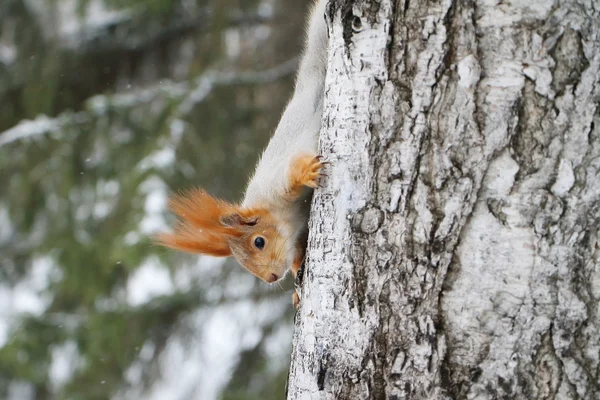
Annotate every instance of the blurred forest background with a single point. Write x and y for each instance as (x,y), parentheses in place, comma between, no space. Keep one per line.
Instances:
(106,107)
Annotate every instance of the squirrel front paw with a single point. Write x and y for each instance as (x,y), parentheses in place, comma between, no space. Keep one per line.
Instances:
(306,171)
(295,300)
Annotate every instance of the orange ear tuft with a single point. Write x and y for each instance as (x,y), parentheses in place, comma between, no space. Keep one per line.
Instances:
(201,229)
(200,209)
(189,239)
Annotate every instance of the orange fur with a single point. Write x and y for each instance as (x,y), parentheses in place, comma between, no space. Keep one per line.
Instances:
(304,172)
(186,238)
(215,227)
(199,209)
(201,229)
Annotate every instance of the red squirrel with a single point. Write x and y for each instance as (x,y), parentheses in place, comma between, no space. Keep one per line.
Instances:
(267,232)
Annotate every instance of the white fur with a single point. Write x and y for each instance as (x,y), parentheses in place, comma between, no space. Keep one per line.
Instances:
(298,129)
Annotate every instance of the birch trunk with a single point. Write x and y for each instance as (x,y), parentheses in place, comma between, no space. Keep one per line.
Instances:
(454,250)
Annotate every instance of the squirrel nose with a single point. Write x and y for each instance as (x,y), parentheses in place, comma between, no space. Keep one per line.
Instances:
(272,278)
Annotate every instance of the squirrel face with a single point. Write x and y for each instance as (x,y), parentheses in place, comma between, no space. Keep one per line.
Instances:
(262,249)
(215,227)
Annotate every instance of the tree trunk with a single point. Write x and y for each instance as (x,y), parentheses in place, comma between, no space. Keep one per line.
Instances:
(454,250)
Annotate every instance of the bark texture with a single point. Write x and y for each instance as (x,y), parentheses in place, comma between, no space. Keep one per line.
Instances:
(454,250)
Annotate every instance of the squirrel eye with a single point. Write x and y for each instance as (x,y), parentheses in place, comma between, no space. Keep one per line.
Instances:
(259,242)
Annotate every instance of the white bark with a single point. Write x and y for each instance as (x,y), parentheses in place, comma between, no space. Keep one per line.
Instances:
(454,250)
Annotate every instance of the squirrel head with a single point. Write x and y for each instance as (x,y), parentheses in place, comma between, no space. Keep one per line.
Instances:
(215,227)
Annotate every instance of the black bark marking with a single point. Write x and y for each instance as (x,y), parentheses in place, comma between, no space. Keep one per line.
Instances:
(321,376)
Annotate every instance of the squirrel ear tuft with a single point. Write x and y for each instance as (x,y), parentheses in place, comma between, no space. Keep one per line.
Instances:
(200,229)
(199,209)
(236,220)
(192,240)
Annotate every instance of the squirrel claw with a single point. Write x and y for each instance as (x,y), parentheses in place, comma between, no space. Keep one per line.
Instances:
(319,158)
(306,171)
(295,300)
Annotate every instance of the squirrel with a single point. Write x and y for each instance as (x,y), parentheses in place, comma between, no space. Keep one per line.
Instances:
(267,232)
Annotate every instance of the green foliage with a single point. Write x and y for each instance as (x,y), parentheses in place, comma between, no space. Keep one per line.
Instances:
(152,6)
(123,130)
(255,376)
